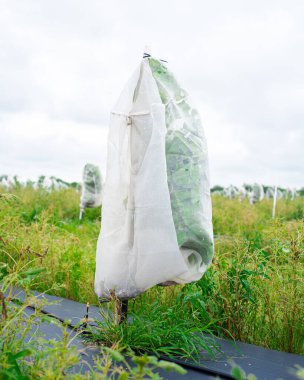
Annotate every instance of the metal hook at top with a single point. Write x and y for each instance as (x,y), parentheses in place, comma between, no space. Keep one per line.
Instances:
(147,53)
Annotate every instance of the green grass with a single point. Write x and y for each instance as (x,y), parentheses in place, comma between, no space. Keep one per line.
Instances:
(254,290)
(171,323)
(38,224)
(255,286)
(26,354)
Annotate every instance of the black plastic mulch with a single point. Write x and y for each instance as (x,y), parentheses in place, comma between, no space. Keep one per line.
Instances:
(265,364)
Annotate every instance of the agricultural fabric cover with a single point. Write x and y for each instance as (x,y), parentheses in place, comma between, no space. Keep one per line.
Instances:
(91,191)
(156,216)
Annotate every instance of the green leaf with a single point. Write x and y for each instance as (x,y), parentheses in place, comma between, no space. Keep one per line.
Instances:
(117,356)
(141,360)
(23,353)
(169,366)
(123,376)
(32,272)
(238,373)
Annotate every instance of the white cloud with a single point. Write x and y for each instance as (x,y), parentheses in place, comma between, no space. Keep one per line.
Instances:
(63,65)
(36,144)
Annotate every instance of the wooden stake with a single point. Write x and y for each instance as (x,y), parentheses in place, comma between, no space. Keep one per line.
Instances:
(121,307)
(124,310)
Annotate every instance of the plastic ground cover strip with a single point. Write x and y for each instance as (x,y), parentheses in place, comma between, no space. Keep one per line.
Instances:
(265,364)
(88,352)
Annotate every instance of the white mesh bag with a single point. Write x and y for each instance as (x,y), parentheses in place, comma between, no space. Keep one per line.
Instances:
(91,189)
(156,216)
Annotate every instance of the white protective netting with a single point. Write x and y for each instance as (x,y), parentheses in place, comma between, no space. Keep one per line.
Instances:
(156,216)
(91,189)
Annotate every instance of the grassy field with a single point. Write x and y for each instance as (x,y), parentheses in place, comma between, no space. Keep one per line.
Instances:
(253,292)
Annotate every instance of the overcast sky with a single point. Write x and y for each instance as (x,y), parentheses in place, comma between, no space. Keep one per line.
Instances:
(63,64)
